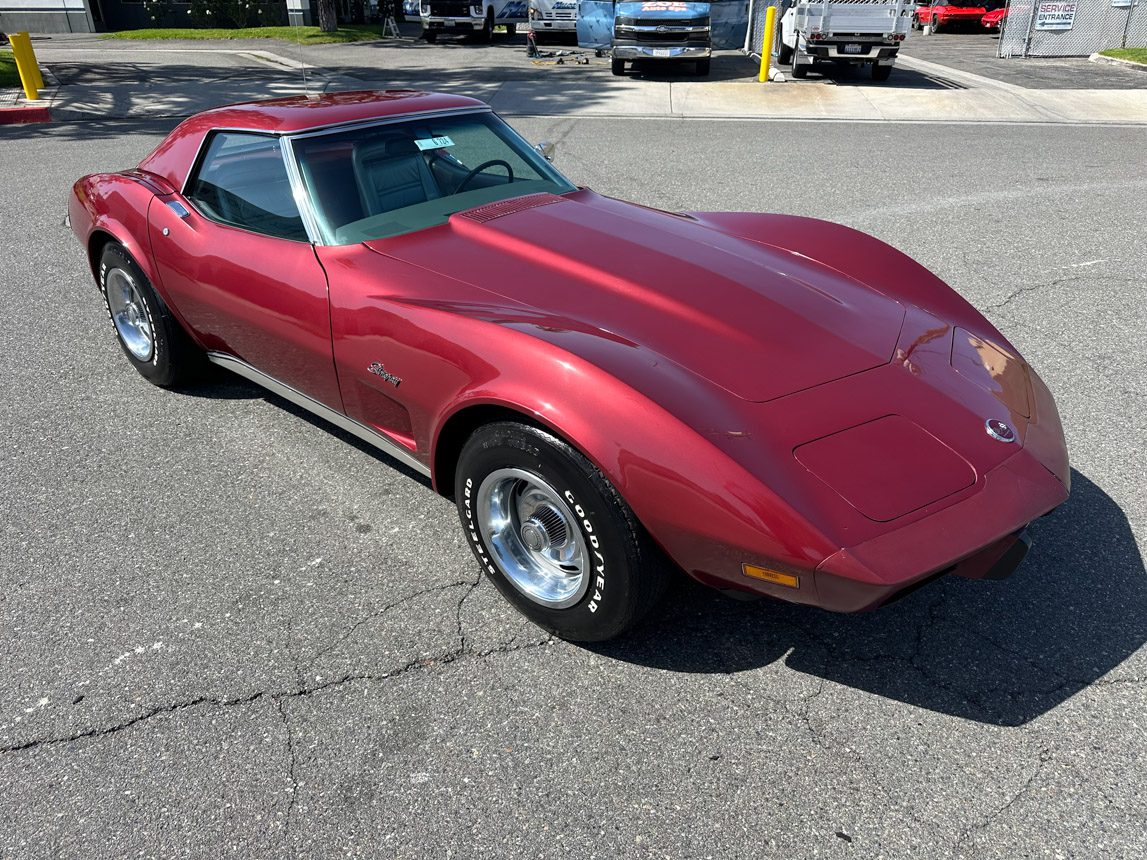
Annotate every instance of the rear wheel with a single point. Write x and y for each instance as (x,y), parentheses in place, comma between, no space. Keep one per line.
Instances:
(618,67)
(703,67)
(553,534)
(880,73)
(151,338)
(430,36)
(800,70)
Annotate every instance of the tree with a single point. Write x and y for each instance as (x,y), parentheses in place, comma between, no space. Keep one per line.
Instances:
(328,16)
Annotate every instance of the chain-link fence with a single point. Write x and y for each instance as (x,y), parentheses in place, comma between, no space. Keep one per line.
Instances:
(755,33)
(1072,28)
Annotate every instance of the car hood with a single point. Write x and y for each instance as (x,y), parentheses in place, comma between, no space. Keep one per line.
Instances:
(758,321)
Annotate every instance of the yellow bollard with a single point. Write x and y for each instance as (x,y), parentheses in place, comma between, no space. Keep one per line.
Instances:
(26,64)
(37,78)
(767,43)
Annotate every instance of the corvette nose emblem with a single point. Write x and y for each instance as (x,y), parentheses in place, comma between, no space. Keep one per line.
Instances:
(999,431)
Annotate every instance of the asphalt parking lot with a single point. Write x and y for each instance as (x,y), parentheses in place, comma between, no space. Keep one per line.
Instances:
(226,629)
(975,52)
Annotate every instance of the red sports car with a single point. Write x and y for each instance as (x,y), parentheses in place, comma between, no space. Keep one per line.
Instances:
(777,404)
(944,13)
(994,19)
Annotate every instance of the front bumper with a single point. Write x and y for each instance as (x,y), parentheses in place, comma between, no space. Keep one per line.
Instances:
(877,571)
(448,24)
(661,52)
(555,26)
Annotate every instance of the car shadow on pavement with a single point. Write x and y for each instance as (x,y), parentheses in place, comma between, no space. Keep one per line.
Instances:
(846,75)
(1002,653)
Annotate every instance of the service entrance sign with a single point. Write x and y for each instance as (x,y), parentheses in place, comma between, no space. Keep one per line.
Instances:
(1055,16)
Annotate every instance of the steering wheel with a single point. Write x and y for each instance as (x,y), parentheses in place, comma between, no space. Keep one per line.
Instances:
(492,163)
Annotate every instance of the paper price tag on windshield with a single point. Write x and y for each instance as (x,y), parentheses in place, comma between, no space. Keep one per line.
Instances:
(434,143)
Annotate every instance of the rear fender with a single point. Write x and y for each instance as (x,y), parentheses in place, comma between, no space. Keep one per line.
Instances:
(115,205)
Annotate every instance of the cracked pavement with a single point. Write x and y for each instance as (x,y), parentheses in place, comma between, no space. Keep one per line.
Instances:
(228,630)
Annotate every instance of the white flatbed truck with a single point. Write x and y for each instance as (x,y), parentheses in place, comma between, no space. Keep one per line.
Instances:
(844,31)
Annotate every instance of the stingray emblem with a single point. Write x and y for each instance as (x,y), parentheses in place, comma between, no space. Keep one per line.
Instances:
(999,431)
(378,370)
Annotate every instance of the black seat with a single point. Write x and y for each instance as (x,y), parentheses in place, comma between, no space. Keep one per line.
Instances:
(391,173)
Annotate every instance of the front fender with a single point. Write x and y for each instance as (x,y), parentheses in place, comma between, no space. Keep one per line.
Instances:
(705,510)
(859,256)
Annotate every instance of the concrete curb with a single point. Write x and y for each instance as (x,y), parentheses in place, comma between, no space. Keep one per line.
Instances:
(1115,61)
(24,115)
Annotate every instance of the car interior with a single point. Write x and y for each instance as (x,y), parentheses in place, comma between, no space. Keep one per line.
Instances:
(247,187)
(367,183)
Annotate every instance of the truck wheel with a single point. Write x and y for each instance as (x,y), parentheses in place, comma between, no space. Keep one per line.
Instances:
(430,36)
(784,53)
(880,73)
(486,34)
(800,70)
(703,67)
(511,29)
(618,67)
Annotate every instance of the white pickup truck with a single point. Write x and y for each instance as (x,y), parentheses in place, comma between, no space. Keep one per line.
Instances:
(477,17)
(844,31)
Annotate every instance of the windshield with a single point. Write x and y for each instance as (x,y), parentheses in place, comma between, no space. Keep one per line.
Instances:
(394,178)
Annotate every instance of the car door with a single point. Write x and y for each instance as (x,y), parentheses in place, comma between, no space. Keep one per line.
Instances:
(236,262)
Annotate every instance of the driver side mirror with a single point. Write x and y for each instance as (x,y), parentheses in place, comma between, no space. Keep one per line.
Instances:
(546,149)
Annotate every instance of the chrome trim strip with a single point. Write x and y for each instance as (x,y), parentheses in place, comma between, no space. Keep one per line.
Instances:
(372,437)
(299,193)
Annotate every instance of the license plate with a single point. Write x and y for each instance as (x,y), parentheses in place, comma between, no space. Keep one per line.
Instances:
(447,23)
(852,48)
(662,52)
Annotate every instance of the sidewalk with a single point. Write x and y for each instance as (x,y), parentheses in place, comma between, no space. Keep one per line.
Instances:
(108,79)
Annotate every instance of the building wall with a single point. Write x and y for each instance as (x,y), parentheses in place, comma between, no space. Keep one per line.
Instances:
(45,16)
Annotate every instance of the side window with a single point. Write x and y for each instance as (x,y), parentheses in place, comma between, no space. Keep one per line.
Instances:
(243,182)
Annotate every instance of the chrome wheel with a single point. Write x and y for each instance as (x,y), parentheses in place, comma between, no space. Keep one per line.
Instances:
(534,537)
(129,314)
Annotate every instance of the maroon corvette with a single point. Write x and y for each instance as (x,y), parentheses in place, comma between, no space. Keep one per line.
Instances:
(779,405)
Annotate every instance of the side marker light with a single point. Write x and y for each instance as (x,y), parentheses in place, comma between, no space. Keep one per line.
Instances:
(789,580)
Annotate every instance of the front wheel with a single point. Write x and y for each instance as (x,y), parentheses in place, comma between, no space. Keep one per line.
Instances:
(430,36)
(553,534)
(618,67)
(511,29)
(486,34)
(151,338)
(784,52)
(935,24)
